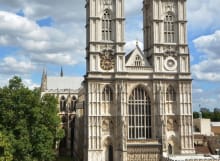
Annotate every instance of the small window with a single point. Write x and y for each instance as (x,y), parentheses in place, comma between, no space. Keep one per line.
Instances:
(137,61)
(170,94)
(106,26)
(73,104)
(64,119)
(169,28)
(107,95)
(63,104)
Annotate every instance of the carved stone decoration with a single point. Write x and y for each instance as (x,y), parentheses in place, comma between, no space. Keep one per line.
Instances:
(107,60)
(172,124)
(142,154)
(170,51)
(107,2)
(170,6)
(170,63)
(107,125)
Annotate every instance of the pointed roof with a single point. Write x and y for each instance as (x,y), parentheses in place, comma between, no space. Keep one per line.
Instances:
(44,72)
(44,79)
(129,58)
(61,72)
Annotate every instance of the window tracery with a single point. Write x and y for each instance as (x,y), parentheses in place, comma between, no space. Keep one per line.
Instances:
(106,26)
(169,30)
(137,61)
(170,94)
(139,109)
(107,94)
(62,104)
(73,104)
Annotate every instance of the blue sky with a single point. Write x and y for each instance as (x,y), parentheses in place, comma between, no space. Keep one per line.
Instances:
(36,34)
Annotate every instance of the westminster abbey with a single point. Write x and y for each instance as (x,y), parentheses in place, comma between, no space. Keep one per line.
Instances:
(133,106)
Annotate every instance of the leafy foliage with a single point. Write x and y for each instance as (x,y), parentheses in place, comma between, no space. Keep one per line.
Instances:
(213,116)
(30,123)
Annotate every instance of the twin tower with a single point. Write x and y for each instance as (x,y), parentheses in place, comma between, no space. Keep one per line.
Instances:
(138,105)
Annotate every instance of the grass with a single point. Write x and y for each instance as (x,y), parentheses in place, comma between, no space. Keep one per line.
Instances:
(64,159)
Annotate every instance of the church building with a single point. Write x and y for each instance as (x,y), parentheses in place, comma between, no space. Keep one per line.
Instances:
(133,106)
(138,106)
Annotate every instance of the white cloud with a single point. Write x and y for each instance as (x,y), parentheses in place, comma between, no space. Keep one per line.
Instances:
(205,95)
(197,90)
(50,44)
(209,44)
(133,7)
(202,14)
(12,66)
(209,67)
(30,84)
(130,45)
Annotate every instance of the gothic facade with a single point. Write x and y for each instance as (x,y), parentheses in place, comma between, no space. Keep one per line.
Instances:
(65,89)
(138,106)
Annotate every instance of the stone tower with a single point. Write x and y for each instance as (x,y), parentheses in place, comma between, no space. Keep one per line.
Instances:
(105,60)
(105,36)
(166,48)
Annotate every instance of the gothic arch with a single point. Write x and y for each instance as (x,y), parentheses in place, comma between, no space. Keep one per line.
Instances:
(107,94)
(144,86)
(172,145)
(169,27)
(107,25)
(171,94)
(73,104)
(108,149)
(139,112)
(63,102)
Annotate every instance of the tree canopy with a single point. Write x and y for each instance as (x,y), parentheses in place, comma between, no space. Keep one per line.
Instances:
(213,116)
(29,125)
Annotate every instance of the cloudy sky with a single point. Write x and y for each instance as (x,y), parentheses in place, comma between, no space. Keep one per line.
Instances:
(50,33)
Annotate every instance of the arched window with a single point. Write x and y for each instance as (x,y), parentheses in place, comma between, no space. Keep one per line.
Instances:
(106,26)
(62,104)
(107,95)
(137,61)
(64,119)
(170,94)
(139,109)
(169,31)
(73,104)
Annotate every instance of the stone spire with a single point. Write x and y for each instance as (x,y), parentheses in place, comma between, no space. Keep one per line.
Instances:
(44,80)
(61,72)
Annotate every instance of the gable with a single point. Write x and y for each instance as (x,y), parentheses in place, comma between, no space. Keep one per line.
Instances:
(136,58)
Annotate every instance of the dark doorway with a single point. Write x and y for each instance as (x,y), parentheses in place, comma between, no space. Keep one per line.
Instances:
(110,153)
(170,149)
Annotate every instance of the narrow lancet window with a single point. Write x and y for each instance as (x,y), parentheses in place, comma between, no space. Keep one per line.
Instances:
(106,26)
(170,94)
(137,61)
(169,31)
(107,95)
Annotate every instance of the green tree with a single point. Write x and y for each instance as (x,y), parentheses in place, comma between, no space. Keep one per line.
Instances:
(30,121)
(195,115)
(5,147)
